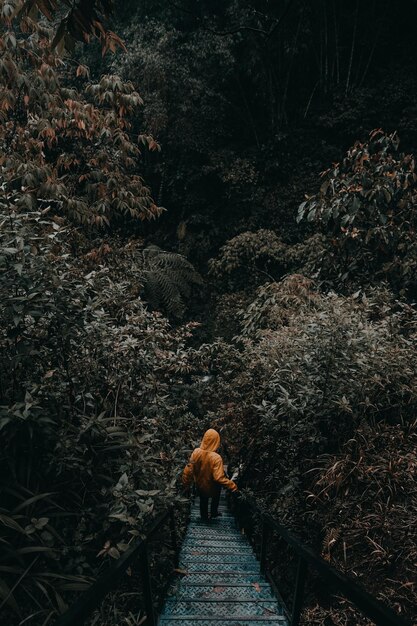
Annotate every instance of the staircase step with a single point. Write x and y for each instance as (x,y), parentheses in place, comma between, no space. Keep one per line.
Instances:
(220,608)
(238,620)
(219,522)
(215,547)
(215,559)
(213,568)
(196,549)
(222,578)
(224,514)
(213,544)
(243,593)
(223,510)
(223,584)
(214,535)
(229,578)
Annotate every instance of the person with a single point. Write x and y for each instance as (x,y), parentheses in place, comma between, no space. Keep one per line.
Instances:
(205,469)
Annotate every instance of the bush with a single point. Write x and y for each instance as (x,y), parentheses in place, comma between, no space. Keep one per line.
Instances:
(250,259)
(371,486)
(64,140)
(310,377)
(94,411)
(367,207)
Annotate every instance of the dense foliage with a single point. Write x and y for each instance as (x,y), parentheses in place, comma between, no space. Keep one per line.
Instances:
(83,395)
(77,21)
(368,206)
(65,140)
(304,350)
(94,414)
(255,98)
(317,395)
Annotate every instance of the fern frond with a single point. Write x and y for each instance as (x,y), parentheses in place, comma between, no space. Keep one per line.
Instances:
(168,280)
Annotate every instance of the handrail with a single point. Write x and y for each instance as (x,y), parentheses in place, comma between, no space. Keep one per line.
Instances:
(91,599)
(368,604)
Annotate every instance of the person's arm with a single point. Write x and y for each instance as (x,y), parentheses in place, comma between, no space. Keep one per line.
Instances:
(188,473)
(219,477)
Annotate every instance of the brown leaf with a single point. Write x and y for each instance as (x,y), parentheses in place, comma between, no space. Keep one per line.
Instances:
(183,572)
(82,70)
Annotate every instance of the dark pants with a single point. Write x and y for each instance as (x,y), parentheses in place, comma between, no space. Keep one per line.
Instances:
(204,500)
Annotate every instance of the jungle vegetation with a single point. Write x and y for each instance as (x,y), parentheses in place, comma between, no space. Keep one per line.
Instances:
(208,217)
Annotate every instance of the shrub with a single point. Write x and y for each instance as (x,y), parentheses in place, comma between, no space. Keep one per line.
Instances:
(367,207)
(371,486)
(250,258)
(65,141)
(94,412)
(316,398)
(307,369)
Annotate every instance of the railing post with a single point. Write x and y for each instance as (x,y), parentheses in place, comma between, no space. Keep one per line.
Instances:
(237,512)
(234,506)
(264,544)
(147,587)
(299,591)
(173,531)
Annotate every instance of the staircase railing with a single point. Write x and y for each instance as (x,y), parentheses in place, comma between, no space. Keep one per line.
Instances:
(108,581)
(307,558)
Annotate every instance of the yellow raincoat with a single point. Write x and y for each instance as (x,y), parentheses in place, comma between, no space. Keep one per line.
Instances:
(205,466)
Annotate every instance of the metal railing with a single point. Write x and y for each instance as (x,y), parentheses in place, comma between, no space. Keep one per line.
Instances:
(307,558)
(108,581)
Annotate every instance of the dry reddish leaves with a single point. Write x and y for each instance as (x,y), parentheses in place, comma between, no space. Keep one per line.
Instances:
(366,500)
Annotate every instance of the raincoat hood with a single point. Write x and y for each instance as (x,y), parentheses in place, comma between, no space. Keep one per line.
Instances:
(210,441)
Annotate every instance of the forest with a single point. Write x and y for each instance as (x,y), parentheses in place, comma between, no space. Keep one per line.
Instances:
(208,219)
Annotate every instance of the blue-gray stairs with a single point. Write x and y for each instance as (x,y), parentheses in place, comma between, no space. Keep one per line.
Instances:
(222,584)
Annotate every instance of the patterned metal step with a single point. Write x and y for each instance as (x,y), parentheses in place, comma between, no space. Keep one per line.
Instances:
(224,513)
(226,525)
(221,509)
(217,520)
(241,620)
(221,538)
(214,558)
(223,578)
(196,549)
(244,593)
(223,547)
(207,566)
(214,534)
(220,608)
(222,504)
(196,508)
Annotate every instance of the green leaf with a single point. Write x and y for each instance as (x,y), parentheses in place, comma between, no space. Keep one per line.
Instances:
(144,492)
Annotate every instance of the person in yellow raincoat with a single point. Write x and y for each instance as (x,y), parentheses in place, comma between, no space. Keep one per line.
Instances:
(205,469)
